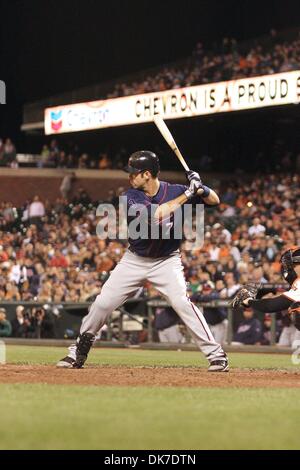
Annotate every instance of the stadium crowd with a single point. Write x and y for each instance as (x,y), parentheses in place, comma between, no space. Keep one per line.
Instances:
(279,155)
(51,253)
(231,60)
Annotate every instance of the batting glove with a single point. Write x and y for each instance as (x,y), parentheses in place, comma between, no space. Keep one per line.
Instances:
(193,175)
(193,188)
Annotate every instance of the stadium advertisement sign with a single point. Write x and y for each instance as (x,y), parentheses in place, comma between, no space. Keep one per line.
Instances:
(234,95)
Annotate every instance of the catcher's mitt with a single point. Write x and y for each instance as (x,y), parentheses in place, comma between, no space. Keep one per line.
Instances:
(246,292)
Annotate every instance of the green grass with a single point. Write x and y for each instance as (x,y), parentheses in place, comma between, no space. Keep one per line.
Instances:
(41,416)
(59,417)
(134,357)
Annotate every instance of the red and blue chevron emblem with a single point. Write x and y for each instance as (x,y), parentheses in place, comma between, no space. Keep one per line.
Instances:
(56,120)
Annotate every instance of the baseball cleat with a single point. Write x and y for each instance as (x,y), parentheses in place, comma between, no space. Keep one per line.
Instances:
(83,345)
(66,363)
(219,365)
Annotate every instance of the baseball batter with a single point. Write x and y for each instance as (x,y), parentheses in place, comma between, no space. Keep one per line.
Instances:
(289,300)
(154,260)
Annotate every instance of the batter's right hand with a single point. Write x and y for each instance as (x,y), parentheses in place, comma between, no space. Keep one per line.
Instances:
(193,175)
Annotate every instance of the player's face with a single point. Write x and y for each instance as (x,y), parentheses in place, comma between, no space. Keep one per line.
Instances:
(138,180)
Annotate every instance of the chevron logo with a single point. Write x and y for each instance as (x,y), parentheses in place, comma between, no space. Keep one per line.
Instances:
(56,120)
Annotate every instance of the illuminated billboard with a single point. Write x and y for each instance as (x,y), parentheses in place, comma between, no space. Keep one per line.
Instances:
(234,95)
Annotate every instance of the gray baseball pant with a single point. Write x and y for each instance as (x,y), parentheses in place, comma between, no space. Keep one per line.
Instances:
(166,275)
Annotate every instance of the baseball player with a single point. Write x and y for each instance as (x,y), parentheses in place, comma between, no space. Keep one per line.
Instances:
(154,260)
(290,300)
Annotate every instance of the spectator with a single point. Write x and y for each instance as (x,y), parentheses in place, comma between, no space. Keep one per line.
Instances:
(18,324)
(166,323)
(266,338)
(82,197)
(9,152)
(218,231)
(36,211)
(66,185)
(18,273)
(229,197)
(289,333)
(258,275)
(231,286)
(104,162)
(1,149)
(43,323)
(62,159)
(270,230)
(83,161)
(216,317)
(256,228)
(249,330)
(5,326)
(59,260)
(45,157)
(12,292)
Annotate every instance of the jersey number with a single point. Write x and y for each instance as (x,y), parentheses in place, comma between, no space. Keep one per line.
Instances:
(169,225)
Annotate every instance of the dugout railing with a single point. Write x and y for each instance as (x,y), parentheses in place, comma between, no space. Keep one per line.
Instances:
(133,321)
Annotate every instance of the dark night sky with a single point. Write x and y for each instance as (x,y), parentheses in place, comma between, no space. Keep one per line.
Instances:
(51,46)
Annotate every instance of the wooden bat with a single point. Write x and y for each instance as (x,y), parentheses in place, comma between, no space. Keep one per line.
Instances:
(162,127)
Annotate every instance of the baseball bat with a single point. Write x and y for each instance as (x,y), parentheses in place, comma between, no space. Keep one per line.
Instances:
(163,129)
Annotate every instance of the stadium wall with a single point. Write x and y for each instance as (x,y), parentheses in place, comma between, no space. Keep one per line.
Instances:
(18,185)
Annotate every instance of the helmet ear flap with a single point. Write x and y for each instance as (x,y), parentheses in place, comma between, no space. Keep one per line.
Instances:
(287,267)
(296,255)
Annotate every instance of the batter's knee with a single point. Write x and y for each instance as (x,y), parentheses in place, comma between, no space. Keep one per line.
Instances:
(104,302)
(179,303)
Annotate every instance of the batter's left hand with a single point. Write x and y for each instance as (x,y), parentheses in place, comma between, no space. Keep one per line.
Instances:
(193,188)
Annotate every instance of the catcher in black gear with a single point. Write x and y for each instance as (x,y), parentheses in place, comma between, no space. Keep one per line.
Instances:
(289,300)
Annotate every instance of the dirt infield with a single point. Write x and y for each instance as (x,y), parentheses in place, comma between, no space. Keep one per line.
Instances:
(148,376)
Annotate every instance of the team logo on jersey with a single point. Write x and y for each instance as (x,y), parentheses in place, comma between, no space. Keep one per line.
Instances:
(56,120)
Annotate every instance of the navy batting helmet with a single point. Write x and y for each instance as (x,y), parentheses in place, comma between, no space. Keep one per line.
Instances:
(143,160)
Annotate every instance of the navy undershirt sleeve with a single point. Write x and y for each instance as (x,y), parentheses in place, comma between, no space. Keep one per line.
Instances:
(276,304)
